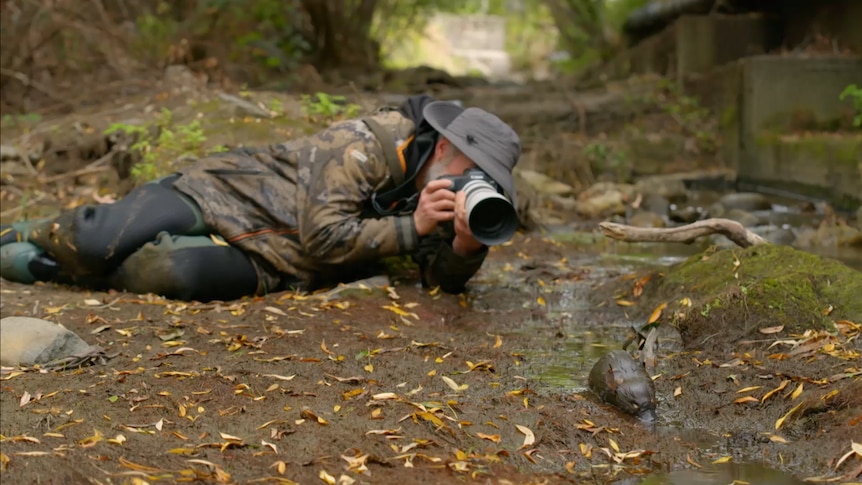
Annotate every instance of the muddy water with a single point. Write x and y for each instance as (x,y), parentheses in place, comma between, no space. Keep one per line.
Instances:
(750,473)
(566,334)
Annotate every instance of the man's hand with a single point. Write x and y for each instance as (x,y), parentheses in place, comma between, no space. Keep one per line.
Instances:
(464,243)
(436,204)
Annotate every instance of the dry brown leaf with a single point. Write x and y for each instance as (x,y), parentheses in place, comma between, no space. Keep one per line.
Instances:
(780,422)
(490,437)
(656,314)
(529,437)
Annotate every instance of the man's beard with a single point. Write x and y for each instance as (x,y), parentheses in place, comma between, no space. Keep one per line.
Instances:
(437,170)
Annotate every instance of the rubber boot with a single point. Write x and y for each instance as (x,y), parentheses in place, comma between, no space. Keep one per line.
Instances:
(24,262)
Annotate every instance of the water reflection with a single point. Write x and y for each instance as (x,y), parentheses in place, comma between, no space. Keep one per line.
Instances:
(724,474)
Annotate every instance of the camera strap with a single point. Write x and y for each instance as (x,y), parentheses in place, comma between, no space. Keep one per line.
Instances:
(389,151)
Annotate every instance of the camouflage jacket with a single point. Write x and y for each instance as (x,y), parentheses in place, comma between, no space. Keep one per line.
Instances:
(301,209)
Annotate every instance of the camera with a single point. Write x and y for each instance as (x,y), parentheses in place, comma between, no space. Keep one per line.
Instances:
(491,216)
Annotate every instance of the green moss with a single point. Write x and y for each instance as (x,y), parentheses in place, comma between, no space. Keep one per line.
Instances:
(734,292)
(728,117)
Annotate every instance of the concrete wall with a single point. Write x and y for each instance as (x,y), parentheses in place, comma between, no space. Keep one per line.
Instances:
(704,42)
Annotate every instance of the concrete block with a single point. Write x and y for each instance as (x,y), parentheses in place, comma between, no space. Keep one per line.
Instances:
(779,89)
(707,41)
(822,165)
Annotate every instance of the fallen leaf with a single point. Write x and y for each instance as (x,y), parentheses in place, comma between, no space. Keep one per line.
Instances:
(748,389)
(723,459)
(326,477)
(656,314)
(780,422)
(797,392)
(778,389)
(277,311)
(490,437)
(770,330)
(455,386)
(529,437)
(855,448)
(281,378)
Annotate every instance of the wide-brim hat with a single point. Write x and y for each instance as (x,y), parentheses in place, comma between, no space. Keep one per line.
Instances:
(483,137)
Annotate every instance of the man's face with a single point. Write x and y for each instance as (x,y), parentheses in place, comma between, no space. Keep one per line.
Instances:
(448,162)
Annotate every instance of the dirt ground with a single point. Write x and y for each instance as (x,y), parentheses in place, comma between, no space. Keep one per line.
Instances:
(403,385)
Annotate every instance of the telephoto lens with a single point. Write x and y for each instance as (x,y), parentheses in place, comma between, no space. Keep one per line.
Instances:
(491,217)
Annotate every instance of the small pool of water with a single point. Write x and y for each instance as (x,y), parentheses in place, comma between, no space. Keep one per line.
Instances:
(721,474)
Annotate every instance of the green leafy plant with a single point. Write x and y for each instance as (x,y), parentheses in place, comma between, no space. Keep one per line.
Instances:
(854,92)
(158,145)
(324,107)
(607,160)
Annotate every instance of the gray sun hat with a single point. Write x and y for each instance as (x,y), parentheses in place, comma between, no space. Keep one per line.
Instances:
(483,137)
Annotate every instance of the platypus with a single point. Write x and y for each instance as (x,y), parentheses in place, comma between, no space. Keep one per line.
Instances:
(622,381)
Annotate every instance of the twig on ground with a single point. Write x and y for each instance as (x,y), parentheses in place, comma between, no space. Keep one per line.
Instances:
(18,208)
(732,230)
(100,165)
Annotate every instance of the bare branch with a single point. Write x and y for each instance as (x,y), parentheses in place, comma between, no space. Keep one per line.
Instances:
(732,230)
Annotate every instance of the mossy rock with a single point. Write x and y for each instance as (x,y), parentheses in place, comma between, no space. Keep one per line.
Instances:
(721,297)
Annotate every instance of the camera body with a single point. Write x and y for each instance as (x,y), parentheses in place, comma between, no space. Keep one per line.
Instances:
(469,175)
(491,216)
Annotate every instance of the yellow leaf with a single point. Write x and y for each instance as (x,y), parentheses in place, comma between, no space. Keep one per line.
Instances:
(540,301)
(529,437)
(614,445)
(498,342)
(218,240)
(780,422)
(723,459)
(797,392)
(490,437)
(656,314)
(778,389)
(326,477)
(777,439)
(692,462)
(745,400)
(677,391)
(624,303)
(454,385)
(369,368)
(769,330)
(748,389)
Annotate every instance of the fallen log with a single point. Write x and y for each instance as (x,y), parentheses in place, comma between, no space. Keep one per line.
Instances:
(732,230)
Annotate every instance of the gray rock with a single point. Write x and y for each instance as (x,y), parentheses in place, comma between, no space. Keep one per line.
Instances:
(686,215)
(775,234)
(747,201)
(656,204)
(602,205)
(28,341)
(642,218)
(544,184)
(668,186)
(745,218)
